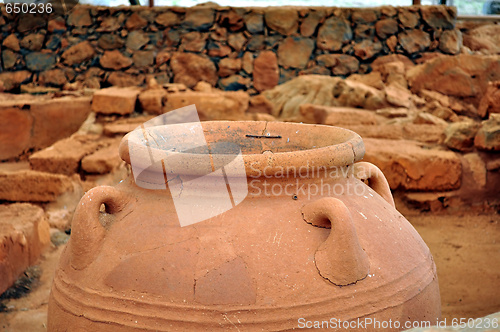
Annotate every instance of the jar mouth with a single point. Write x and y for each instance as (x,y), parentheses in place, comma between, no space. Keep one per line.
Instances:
(265,147)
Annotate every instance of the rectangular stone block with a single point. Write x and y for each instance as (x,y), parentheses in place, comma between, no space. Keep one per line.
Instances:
(115,100)
(37,122)
(152,100)
(15,131)
(126,125)
(103,160)
(385,131)
(33,186)
(433,201)
(412,166)
(113,129)
(211,105)
(424,133)
(338,116)
(64,156)
(24,234)
(57,118)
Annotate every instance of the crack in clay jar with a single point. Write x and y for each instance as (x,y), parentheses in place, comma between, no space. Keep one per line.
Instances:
(316,238)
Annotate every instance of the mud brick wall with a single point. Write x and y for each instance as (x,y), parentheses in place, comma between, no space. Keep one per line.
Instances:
(231,48)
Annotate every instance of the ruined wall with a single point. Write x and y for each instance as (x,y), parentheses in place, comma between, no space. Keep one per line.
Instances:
(231,48)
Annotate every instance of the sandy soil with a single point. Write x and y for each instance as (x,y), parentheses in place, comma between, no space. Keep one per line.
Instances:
(29,313)
(466,249)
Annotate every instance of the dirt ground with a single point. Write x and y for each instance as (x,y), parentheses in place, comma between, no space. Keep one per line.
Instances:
(466,249)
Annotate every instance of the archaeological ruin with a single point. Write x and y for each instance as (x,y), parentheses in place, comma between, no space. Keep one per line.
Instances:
(339,163)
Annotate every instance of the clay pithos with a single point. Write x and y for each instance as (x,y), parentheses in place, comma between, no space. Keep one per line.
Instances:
(315,237)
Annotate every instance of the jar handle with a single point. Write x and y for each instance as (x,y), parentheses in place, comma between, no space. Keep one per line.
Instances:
(340,259)
(366,171)
(87,231)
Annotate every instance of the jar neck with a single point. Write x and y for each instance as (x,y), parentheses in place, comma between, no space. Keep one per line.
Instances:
(287,182)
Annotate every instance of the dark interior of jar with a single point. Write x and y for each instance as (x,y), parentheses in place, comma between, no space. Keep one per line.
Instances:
(226,137)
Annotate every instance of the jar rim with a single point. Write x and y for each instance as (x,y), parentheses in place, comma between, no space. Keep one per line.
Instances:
(264,146)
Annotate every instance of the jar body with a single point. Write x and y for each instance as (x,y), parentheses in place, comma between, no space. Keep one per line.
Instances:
(257,266)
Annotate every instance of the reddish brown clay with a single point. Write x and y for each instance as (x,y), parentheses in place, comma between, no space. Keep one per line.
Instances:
(308,251)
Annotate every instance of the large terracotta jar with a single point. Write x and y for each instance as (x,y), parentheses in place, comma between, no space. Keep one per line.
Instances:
(314,238)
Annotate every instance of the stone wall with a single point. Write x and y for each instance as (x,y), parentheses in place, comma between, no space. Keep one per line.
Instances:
(250,49)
